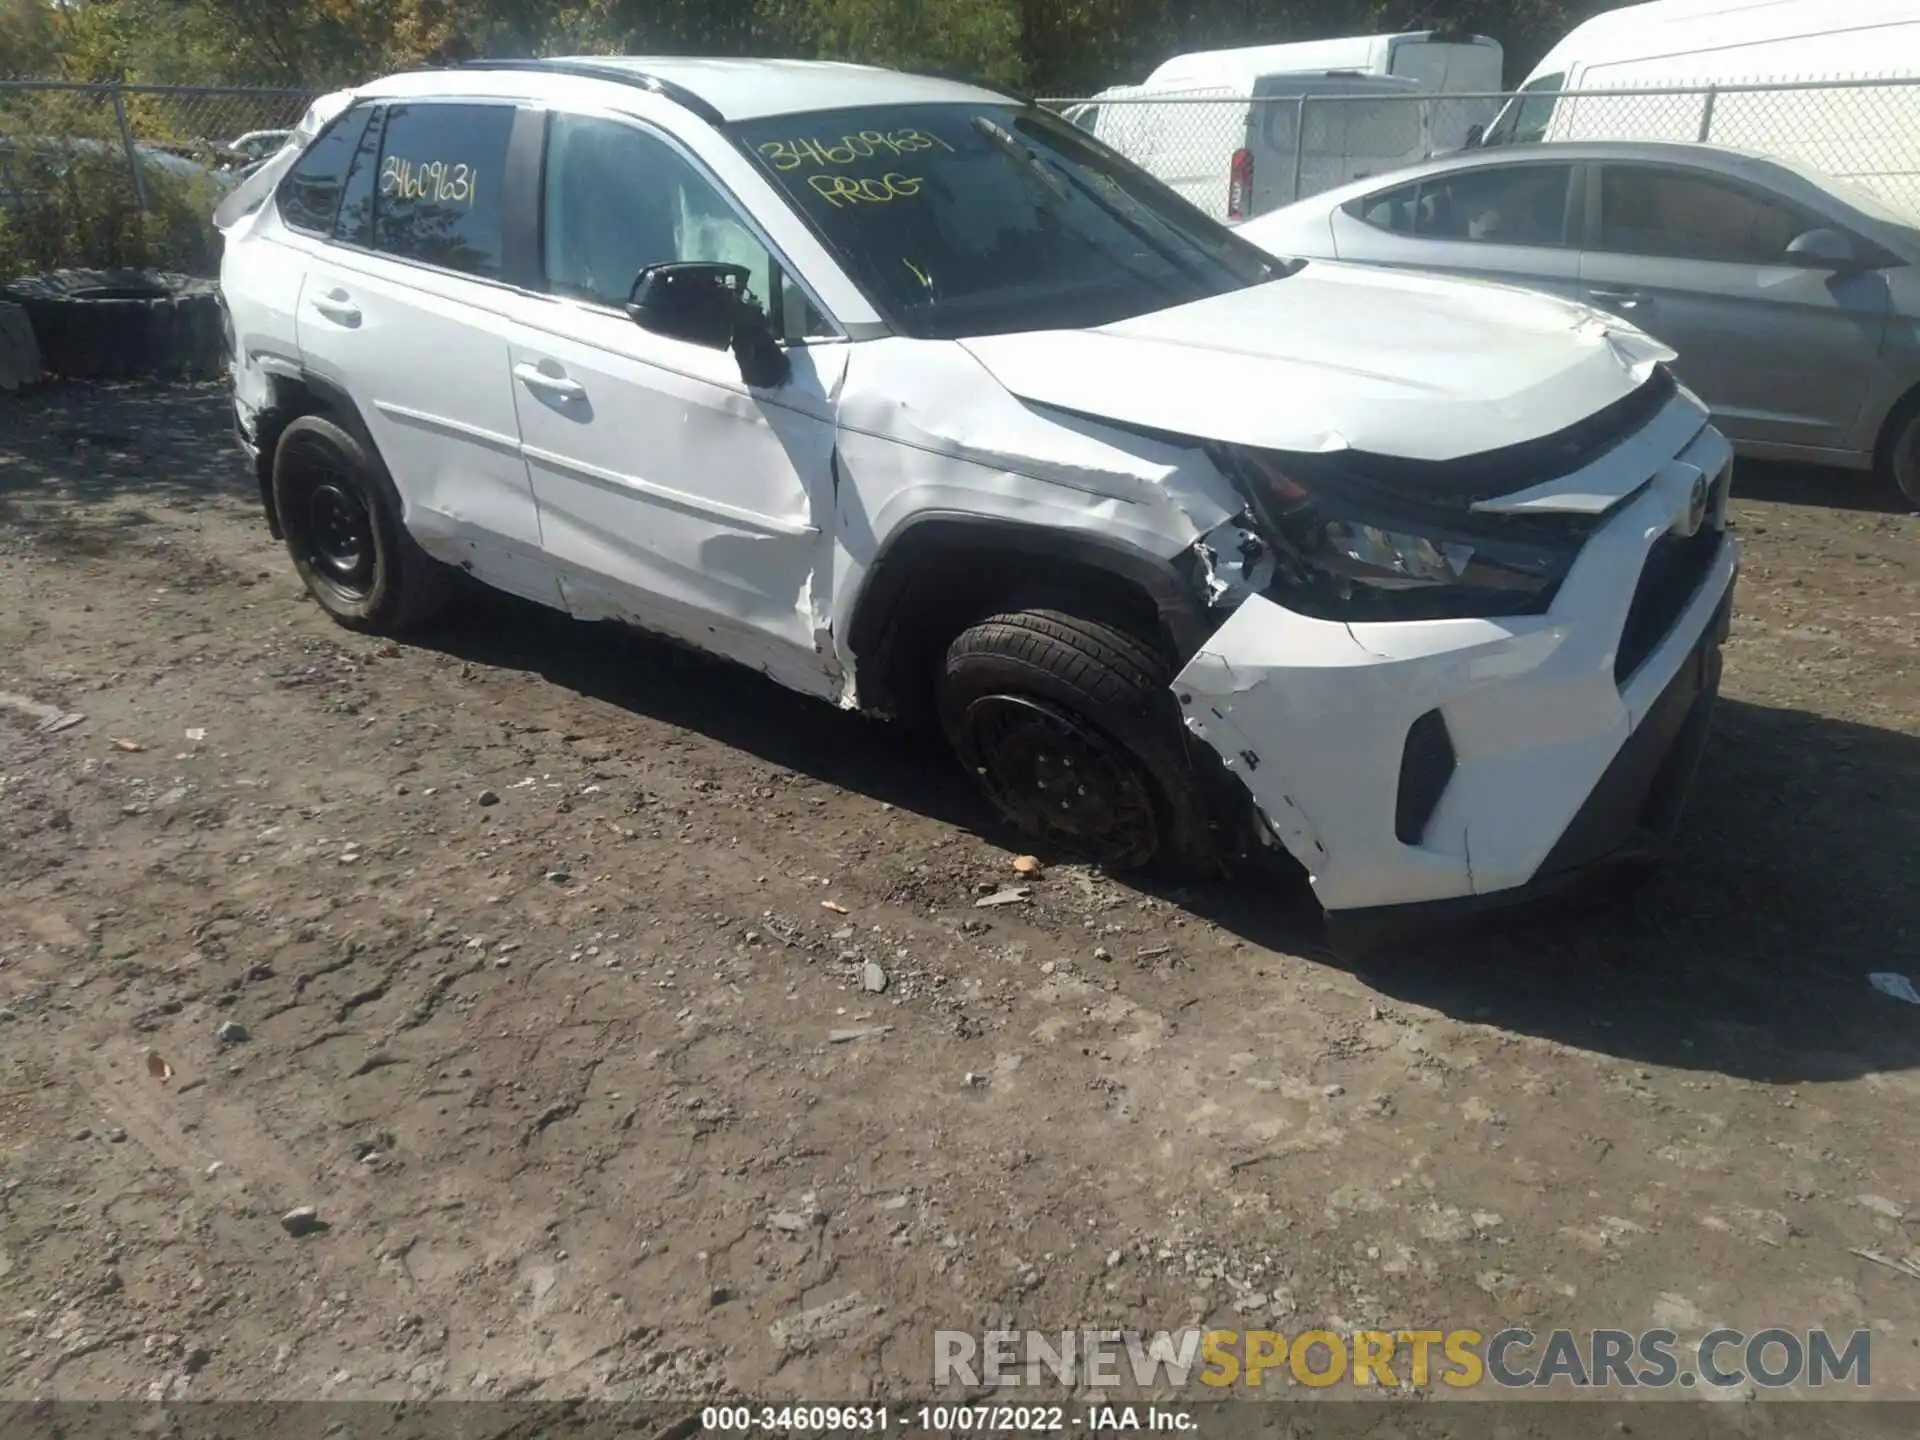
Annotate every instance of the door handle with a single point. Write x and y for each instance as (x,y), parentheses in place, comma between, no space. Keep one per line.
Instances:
(558,386)
(337,305)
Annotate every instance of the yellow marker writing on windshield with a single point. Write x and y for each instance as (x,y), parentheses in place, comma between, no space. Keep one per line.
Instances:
(840,190)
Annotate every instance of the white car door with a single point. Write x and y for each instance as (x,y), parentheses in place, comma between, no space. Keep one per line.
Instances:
(672,494)
(404,308)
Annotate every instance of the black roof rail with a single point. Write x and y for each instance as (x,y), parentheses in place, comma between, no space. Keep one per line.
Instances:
(957,78)
(618,74)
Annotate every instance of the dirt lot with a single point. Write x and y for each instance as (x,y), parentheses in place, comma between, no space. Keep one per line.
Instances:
(548,953)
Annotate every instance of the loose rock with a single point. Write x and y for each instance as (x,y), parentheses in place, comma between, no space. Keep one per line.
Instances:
(305,1220)
(874,978)
(232,1032)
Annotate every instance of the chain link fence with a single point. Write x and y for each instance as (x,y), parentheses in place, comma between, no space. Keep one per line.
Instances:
(112,175)
(101,175)
(1237,156)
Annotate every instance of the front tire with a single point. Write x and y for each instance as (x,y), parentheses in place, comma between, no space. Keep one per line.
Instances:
(341,519)
(1067,724)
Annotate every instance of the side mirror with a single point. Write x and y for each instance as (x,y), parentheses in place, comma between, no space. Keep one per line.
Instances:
(1475,134)
(705,303)
(1823,250)
(696,301)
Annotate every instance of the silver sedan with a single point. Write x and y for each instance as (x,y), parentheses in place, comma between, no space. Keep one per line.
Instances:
(1792,298)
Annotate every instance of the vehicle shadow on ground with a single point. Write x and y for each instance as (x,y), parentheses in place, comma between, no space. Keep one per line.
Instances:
(1780,483)
(720,700)
(1747,954)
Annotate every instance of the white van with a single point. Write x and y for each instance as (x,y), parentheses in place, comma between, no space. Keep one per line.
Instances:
(1217,125)
(1868,134)
(1437,59)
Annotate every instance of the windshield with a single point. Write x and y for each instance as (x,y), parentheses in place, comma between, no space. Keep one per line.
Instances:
(1524,121)
(959,220)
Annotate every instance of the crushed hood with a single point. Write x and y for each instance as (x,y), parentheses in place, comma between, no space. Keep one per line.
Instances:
(1338,357)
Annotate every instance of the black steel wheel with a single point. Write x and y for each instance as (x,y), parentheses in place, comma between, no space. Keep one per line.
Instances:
(339,538)
(342,521)
(1068,726)
(1058,778)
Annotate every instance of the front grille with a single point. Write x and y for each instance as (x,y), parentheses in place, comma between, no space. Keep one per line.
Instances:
(1426,766)
(1675,568)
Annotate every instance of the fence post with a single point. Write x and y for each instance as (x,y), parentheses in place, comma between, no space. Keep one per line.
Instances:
(1706,115)
(1299,144)
(126,141)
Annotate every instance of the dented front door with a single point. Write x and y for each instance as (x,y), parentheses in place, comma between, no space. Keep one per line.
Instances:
(671,494)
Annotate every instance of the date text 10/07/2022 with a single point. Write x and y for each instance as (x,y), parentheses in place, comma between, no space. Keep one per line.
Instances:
(947,1419)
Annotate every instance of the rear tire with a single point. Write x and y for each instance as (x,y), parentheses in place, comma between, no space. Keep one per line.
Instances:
(341,518)
(1903,456)
(1067,724)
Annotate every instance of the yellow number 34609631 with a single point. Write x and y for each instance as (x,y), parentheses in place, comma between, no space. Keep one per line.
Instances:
(433,180)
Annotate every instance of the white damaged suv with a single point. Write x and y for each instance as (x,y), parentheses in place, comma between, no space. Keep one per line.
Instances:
(921,401)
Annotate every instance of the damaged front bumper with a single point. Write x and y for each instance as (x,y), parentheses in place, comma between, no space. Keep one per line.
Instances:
(1445,765)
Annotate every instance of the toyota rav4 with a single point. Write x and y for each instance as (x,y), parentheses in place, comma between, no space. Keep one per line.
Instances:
(920,400)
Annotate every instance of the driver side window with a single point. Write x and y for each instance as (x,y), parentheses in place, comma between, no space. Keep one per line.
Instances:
(619,198)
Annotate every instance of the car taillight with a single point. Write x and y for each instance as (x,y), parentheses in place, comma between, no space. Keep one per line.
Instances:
(1240,185)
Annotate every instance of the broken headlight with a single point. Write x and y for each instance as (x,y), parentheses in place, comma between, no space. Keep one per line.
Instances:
(1349,550)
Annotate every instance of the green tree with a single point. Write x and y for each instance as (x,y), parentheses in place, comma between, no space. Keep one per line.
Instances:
(1051,46)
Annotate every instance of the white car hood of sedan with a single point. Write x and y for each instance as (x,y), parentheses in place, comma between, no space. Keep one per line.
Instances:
(1340,357)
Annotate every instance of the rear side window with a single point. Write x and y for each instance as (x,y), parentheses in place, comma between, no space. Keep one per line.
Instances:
(1389,210)
(310,195)
(438,194)
(1510,205)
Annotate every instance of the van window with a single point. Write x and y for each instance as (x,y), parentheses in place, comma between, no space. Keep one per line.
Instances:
(1363,128)
(1508,205)
(1682,216)
(1282,122)
(1524,121)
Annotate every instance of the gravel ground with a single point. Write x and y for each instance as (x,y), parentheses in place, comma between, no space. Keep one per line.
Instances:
(623,1026)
